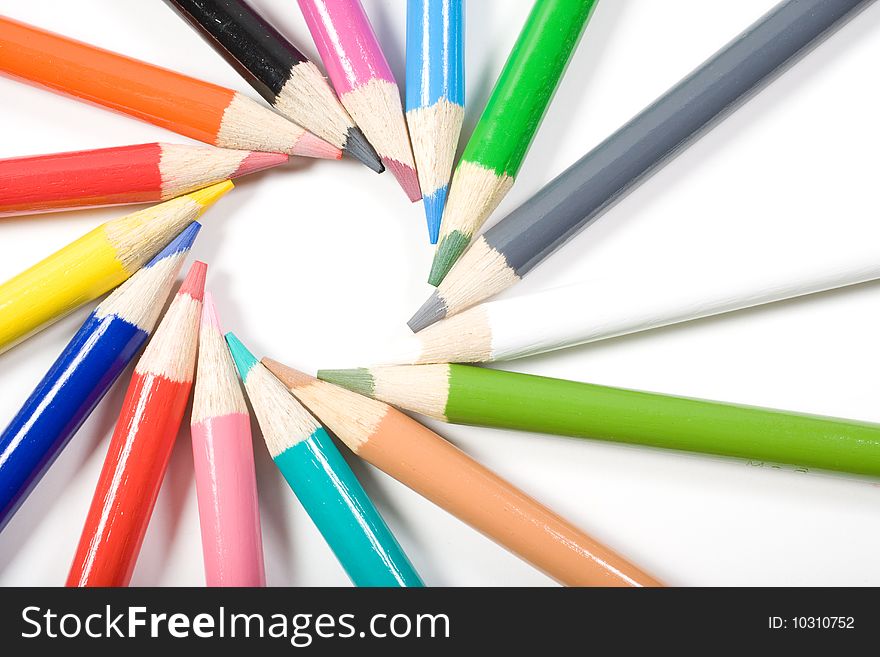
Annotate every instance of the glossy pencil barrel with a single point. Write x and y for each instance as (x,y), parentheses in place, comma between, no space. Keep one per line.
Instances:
(229,513)
(442,473)
(129,483)
(344,514)
(73,386)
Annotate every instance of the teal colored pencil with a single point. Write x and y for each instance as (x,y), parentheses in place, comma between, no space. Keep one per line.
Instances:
(322,480)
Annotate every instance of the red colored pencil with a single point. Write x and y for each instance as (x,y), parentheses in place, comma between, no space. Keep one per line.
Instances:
(143,173)
(141,445)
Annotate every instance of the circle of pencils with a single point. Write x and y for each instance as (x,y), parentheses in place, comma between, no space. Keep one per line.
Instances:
(278,71)
(143,173)
(136,258)
(141,444)
(534,231)
(194,108)
(322,481)
(423,461)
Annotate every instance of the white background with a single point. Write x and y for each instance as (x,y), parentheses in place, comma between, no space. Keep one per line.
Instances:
(317,264)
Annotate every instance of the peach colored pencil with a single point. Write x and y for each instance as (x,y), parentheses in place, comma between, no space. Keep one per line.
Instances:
(422,460)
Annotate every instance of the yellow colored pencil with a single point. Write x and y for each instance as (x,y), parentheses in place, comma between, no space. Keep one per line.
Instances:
(94,264)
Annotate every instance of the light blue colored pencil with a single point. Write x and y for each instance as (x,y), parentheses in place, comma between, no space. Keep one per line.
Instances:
(434,96)
(322,480)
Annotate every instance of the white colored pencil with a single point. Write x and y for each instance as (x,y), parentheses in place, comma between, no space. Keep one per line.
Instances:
(597,310)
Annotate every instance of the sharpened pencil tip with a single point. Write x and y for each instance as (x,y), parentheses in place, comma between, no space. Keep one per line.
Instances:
(259,161)
(244,359)
(434,204)
(180,244)
(358,380)
(311,146)
(210,195)
(287,375)
(194,283)
(406,177)
(450,250)
(357,146)
(209,312)
(433,310)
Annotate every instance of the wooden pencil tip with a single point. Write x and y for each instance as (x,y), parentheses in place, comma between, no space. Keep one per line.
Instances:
(450,250)
(194,283)
(433,310)
(311,146)
(287,375)
(406,177)
(244,359)
(209,195)
(358,147)
(209,312)
(358,380)
(180,244)
(256,161)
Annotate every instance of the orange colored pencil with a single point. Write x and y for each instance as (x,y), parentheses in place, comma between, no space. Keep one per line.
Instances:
(201,110)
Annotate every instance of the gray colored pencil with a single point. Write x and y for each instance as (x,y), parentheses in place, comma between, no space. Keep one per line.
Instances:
(570,202)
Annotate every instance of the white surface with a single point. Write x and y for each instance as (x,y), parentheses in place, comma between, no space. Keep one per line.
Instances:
(315,264)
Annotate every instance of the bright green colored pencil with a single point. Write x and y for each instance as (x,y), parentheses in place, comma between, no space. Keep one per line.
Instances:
(508,125)
(472,395)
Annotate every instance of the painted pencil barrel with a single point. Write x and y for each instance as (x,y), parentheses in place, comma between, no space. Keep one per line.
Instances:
(554,406)
(346,42)
(129,483)
(58,284)
(186,105)
(434,52)
(128,174)
(229,513)
(338,505)
(65,397)
(527,84)
(603,176)
(494,507)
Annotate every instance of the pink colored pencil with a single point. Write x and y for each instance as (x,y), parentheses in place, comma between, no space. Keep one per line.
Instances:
(359,71)
(226,485)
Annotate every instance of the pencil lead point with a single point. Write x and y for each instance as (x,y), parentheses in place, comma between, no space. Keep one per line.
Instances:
(287,375)
(194,283)
(311,146)
(244,359)
(406,177)
(209,312)
(180,244)
(257,161)
(358,380)
(357,146)
(210,195)
(434,204)
(433,310)
(450,250)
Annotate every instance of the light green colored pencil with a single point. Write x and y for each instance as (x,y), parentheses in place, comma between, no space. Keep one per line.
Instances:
(462,394)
